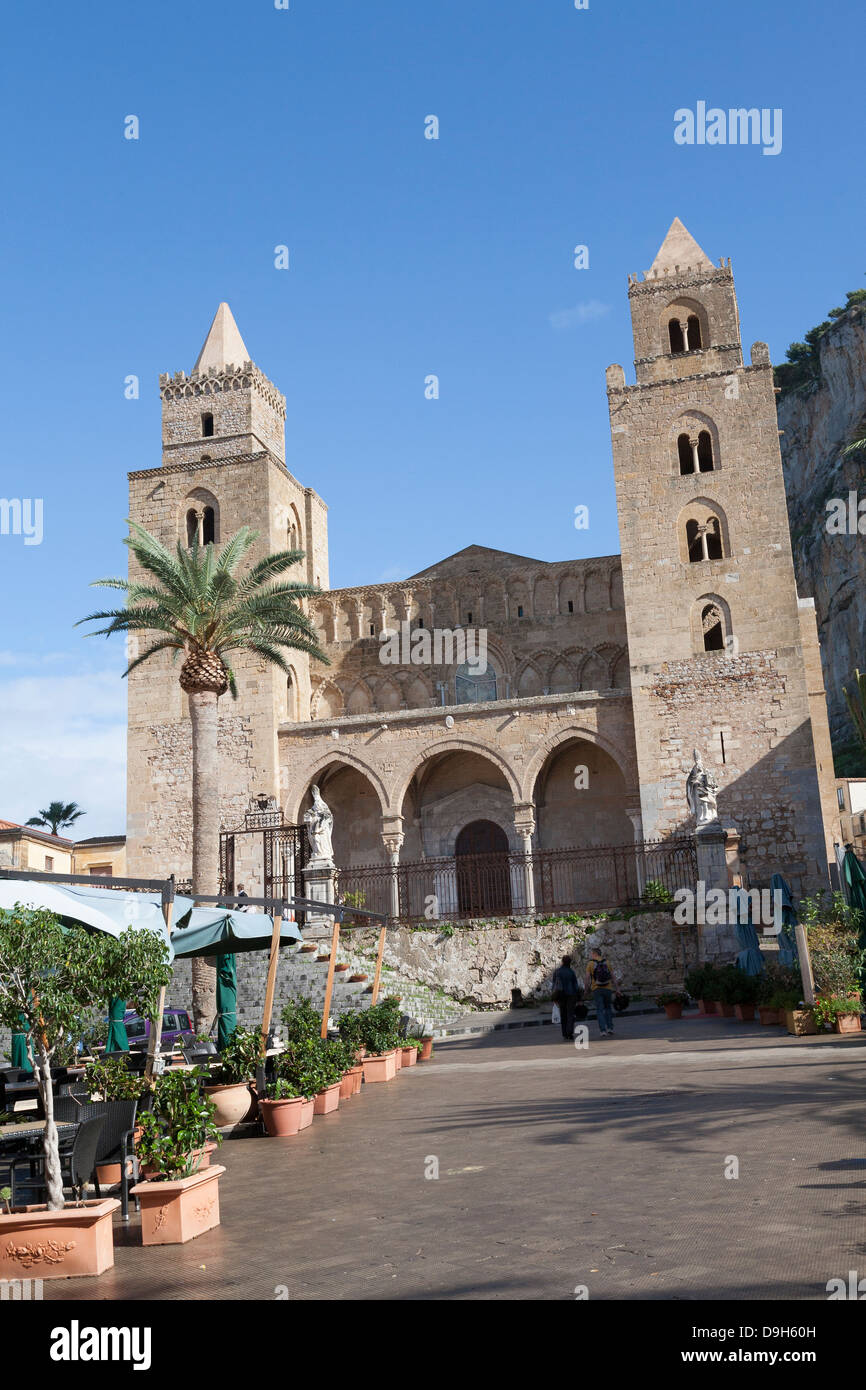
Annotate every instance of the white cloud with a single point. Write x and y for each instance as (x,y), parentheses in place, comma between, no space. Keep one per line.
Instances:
(63,737)
(584,312)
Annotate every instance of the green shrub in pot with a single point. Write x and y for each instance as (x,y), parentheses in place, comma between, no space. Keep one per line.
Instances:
(176,1128)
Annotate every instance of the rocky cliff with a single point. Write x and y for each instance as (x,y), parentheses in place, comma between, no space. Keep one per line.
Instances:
(817,422)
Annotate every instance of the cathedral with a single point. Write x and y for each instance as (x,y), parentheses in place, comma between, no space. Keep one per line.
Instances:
(564,753)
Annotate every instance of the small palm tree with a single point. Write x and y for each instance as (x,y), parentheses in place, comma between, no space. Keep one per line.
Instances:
(57,816)
(199,606)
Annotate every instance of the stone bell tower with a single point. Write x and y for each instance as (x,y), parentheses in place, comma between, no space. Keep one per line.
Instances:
(723,655)
(223,467)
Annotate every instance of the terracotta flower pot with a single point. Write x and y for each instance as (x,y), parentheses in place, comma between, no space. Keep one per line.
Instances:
(340,969)
(232,1103)
(847,1023)
(410,1056)
(426,1049)
(800,1022)
(357,979)
(726,1010)
(398,1059)
(768,1016)
(383,1068)
(201,1157)
(42,1244)
(744,1012)
(307,1112)
(673,1010)
(357,1075)
(174,1212)
(308,950)
(707,1006)
(327,1100)
(282,1118)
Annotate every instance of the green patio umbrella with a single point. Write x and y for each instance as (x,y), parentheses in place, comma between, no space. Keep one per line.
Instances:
(855,888)
(750,958)
(787,940)
(226,998)
(19,1049)
(117,1040)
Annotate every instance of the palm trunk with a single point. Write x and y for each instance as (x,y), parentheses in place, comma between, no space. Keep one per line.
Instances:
(205,839)
(50,1148)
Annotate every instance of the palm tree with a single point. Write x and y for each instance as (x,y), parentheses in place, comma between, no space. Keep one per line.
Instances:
(201,607)
(57,816)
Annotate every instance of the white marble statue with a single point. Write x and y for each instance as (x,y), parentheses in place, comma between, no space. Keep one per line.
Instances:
(701,792)
(320,825)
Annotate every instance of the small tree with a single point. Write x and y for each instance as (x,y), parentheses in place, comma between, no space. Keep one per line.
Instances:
(52,978)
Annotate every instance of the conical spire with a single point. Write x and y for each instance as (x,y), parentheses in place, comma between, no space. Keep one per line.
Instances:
(679,248)
(223,346)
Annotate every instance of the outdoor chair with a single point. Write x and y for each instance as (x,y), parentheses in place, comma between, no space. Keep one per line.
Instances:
(116,1143)
(199,1054)
(77,1164)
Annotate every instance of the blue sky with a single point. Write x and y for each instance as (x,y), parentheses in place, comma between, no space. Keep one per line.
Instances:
(408,256)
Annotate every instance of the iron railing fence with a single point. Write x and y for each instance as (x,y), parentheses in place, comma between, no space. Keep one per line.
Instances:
(504,885)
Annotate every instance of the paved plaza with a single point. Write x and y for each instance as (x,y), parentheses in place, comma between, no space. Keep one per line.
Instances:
(557,1168)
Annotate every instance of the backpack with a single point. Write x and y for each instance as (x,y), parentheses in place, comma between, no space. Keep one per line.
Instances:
(601,974)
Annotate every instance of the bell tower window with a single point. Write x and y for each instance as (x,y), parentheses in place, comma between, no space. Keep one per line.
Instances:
(675,333)
(713,629)
(207,425)
(693,333)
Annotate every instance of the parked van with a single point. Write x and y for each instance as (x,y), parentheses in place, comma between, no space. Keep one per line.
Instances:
(176,1028)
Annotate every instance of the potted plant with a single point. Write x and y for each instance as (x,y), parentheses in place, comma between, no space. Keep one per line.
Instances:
(410,1049)
(426,1052)
(180,1194)
(743,994)
(380,1056)
(701,983)
(230,1085)
(727,987)
(351,1030)
(301,1020)
(357,978)
(51,979)
(673,1002)
(284,1108)
(110,1080)
(841,1014)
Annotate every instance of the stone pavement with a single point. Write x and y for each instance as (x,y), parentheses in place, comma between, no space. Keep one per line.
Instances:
(557,1168)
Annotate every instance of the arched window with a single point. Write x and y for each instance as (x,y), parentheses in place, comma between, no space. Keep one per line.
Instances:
(705,452)
(675,333)
(713,628)
(472,688)
(208,527)
(207,425)
(693,329)
(191,526)
(686,454)
(704,540)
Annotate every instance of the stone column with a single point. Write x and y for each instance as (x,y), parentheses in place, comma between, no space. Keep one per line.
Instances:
(523,877)
(635,816)
(393,842)
(711,843)
(695,460)
(319,884)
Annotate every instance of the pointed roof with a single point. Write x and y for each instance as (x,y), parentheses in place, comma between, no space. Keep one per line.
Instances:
(679,248)
(223,346)
(482,553)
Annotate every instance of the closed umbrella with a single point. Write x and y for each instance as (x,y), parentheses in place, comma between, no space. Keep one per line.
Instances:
(19,1049)
(787,940)
(855,885)
(117,1040)
(226,998)
(750,958)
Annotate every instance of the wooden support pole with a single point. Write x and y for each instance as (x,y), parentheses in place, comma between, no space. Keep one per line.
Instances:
(329,987)
(155,1038)
(380,951)
(805,964)
(272,982)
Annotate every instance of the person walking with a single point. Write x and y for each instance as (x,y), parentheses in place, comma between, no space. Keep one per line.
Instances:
(601,981)
(566,992)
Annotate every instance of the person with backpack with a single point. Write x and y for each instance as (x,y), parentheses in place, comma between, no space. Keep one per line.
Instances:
(566,993)
(601,980)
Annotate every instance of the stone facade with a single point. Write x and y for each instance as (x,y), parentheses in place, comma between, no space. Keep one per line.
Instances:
(817,423)
(602,675)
